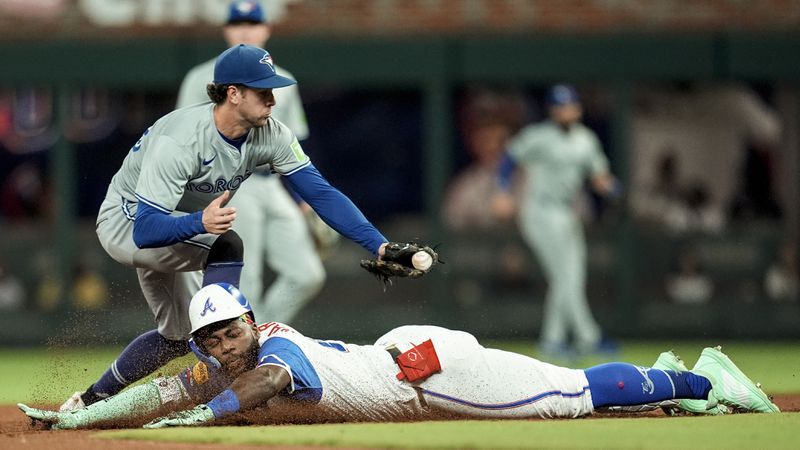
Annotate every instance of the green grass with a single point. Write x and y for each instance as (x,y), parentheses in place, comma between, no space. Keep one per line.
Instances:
(48,376)
(749,431)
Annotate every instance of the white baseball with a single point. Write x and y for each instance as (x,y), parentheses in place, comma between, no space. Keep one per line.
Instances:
(421,260)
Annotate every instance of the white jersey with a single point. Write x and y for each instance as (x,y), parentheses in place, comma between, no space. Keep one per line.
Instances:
(333,380)
(288,107)
(182,162)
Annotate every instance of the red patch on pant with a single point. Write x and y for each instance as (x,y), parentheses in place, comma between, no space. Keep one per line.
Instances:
(419,362)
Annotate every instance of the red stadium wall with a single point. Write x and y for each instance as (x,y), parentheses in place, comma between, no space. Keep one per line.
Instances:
(45,19)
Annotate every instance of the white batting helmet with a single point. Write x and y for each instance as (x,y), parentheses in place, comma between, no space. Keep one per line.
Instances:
(215,303)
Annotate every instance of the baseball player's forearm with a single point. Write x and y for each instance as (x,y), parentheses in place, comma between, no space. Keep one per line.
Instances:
(335,208)
(139,402)
(154,228)
(136,404)
(605,184)
(251,389)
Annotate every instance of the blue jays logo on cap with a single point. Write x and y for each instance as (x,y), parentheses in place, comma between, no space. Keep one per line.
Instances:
(562,94)
(208,307)
(245,7)
(250,66)
(246,11)
(267,59)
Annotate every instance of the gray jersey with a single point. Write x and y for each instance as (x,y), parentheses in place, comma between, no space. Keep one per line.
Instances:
(288,106)
(558,161)
(268,219)
(182,163)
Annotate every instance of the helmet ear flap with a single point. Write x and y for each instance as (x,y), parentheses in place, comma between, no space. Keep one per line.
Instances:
(202,356)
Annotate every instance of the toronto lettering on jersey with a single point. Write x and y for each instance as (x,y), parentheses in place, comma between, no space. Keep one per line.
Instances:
(220,185)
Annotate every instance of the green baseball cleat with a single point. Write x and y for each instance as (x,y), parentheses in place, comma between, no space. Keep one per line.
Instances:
(671,361)
(730,386)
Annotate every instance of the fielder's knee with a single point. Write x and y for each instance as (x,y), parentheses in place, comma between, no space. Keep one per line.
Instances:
(224,262)
(227,248)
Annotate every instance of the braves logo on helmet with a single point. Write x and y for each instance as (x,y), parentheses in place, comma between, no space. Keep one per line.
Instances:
(216,302)
(208,307)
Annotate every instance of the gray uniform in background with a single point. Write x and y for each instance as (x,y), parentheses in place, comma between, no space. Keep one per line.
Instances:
(268,220)
(179,166)
(558,162)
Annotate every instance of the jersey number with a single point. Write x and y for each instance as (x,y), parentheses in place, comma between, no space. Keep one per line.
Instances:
(138,143)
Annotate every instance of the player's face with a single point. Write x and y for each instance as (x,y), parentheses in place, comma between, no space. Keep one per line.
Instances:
(235,346)
(246,33)
(566,115)
(255,106)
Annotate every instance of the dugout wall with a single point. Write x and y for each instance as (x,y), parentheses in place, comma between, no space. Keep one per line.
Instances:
(435,67)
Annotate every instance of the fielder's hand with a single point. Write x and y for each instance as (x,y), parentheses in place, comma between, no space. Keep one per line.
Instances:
(217,218)
(199,415)
(397,260)
(55,420)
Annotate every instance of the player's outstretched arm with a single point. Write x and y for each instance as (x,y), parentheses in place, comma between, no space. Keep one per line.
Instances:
(249,390)
(338,211)
(136,404)
(606,185)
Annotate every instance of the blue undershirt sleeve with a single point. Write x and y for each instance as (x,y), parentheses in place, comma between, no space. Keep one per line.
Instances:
(335,208)
(154,228)
(295,196)
(504,172)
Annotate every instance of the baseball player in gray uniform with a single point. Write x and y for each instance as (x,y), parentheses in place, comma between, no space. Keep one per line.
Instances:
(268,220)
(165,212)
(410,373)
(559,154)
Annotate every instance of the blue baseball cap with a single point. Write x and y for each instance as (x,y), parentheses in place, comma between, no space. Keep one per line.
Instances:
(562,94)
(246,11)
(250,66)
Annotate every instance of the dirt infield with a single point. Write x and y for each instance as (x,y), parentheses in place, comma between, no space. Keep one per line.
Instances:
(17,432)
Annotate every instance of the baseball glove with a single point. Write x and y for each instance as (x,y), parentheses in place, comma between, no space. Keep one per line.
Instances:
(396,261)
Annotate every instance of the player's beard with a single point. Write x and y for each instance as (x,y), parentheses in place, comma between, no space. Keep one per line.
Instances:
(259,122)
(242,363)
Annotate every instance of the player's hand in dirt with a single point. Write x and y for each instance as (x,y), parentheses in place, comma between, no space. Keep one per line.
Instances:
(55,420)
(198,415)
(217,218)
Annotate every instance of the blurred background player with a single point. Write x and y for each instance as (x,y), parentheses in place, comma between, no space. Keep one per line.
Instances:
(488,118)
(269,221)
(559,154)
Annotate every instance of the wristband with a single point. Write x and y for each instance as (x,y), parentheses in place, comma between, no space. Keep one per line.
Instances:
(224,404)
